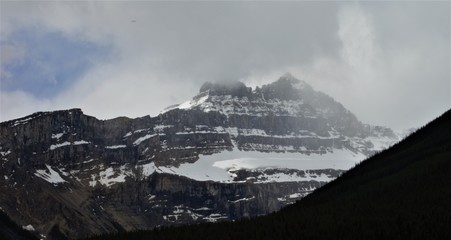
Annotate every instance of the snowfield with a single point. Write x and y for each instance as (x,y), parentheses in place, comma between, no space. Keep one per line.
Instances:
(219,167)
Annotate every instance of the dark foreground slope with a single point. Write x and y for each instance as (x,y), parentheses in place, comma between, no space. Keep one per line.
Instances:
(401,193)
(10,230)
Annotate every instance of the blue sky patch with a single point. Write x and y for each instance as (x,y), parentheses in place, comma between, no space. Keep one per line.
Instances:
(52,62)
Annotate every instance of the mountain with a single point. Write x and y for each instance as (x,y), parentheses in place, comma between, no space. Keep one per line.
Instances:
(400,193)
(286,116)
(231,152)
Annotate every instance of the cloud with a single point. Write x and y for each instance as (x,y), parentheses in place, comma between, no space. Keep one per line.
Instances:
(52,61)
(172,48)
(18,103)
(384,77)
(10,54)
(136,92)
(359,50)
(373,57)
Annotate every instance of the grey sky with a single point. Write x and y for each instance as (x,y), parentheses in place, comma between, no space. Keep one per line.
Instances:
(388,62)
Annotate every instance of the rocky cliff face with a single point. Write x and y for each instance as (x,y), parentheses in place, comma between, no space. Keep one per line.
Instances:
(228,153)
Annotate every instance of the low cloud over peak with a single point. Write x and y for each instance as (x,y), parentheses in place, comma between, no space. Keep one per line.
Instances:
(383,61)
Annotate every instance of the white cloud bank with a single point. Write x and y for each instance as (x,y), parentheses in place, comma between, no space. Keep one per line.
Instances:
(386,62)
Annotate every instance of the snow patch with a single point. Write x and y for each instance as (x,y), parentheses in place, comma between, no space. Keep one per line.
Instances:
(193,103)
(29,227)
(148,169)
(295,195)
(202,209)
(141,139)
(111,176)
(161,128)
(55,146)
(4,154)
(242,199)
(57,135)
(108,177)
(293,177)
(88,161)
(50,176)
(127,134)
(196,101)
(20,122)
(66,174)
(115,146)
(150,197)
(214,217)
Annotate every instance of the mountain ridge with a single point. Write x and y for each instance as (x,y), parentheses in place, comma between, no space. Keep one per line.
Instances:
(246,155)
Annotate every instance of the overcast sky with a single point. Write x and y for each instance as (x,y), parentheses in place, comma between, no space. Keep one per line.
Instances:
(387,62)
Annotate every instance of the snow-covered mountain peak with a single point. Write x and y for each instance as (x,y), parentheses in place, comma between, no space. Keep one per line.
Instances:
(236,97)
(196,101)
